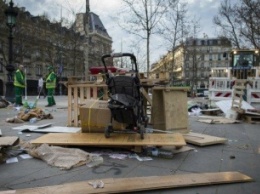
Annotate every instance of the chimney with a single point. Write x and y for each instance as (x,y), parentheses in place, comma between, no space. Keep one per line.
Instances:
(87,6)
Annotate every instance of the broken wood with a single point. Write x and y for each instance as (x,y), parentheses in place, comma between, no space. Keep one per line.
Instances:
(203,139)
(116,139)
(147,97)
(124,185)
(8,141)
(251,118)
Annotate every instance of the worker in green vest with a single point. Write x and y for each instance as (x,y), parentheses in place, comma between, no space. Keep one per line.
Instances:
(19,84)
(50,86)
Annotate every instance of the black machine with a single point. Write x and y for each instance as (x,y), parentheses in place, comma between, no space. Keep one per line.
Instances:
(126,101)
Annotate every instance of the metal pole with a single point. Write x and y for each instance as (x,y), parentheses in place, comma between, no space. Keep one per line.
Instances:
(9,96)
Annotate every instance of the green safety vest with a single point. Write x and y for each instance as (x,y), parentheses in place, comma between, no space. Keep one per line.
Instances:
(16,82)
(51,84)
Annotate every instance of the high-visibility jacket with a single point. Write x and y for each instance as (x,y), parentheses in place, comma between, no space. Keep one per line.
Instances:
(51,80)
(19,79)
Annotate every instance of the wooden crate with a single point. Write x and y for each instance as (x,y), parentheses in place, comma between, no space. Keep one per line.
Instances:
(169,110)
(77,96)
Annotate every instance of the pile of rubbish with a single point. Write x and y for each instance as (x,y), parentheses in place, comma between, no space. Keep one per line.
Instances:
(3,103)
(28,115)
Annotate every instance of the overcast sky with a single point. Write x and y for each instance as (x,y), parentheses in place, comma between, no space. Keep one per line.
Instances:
(108,9)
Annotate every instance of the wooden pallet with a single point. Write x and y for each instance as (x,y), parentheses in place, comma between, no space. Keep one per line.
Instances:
(78,94)
(252,119)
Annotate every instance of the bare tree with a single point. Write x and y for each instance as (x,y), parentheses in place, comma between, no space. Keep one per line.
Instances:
(174,29)
(240,22)
(226,21)
(143,20)
(191,52)
(248,15)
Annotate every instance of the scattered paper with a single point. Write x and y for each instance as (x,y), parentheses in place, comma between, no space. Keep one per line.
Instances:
(12,160)
(118,156)
(225,105)
(97,184)
(134,155)
(142,159)
(25,156)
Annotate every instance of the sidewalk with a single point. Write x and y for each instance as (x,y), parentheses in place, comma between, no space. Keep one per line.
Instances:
(241,153)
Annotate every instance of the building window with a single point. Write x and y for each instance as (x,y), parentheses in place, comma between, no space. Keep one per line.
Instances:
(187,74)
(28,70)
(210,57)
(187,57)
(38,70)
(219,56)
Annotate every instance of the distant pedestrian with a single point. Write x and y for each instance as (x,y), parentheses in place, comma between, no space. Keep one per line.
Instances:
(50,86)
(19,83)
(41,88)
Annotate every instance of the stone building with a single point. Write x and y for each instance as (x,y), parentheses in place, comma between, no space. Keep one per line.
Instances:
(190,63)
(38,42)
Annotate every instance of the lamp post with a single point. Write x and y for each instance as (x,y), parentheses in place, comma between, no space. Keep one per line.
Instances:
(11,15)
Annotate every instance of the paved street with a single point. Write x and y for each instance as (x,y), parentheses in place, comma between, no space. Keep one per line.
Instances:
(241,153)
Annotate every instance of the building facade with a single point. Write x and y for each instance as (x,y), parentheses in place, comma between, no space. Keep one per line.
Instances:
(190,63)
(39,43)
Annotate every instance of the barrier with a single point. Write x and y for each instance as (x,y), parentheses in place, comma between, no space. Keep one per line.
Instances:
(222,89)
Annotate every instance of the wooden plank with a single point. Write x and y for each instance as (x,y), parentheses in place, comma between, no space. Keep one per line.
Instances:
(239,87)
(94,92)
(69,106)
(176,112)
(81,90)
(135,184)
(75,107)
(8,141)
(236,98)
(147,97)
(251,118)
(90,139)
(169,111)
(240,93)
(88,92)
(203,139)
(158,112)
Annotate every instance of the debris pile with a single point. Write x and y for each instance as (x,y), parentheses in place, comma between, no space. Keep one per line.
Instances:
(26,115)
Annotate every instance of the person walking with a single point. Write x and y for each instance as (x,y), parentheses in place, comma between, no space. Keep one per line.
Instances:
(41,88)
(19,84)
(50,86)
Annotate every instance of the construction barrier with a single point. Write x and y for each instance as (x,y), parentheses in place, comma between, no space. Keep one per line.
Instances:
(222,89)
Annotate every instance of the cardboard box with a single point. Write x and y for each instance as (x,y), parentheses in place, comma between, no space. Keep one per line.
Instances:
(95,117)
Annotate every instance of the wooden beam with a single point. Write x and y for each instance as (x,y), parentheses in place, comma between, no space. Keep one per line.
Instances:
(145,94)
(203,139)
(135,184)
(116,139)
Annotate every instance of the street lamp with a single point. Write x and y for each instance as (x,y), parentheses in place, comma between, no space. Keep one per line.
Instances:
(11,15)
